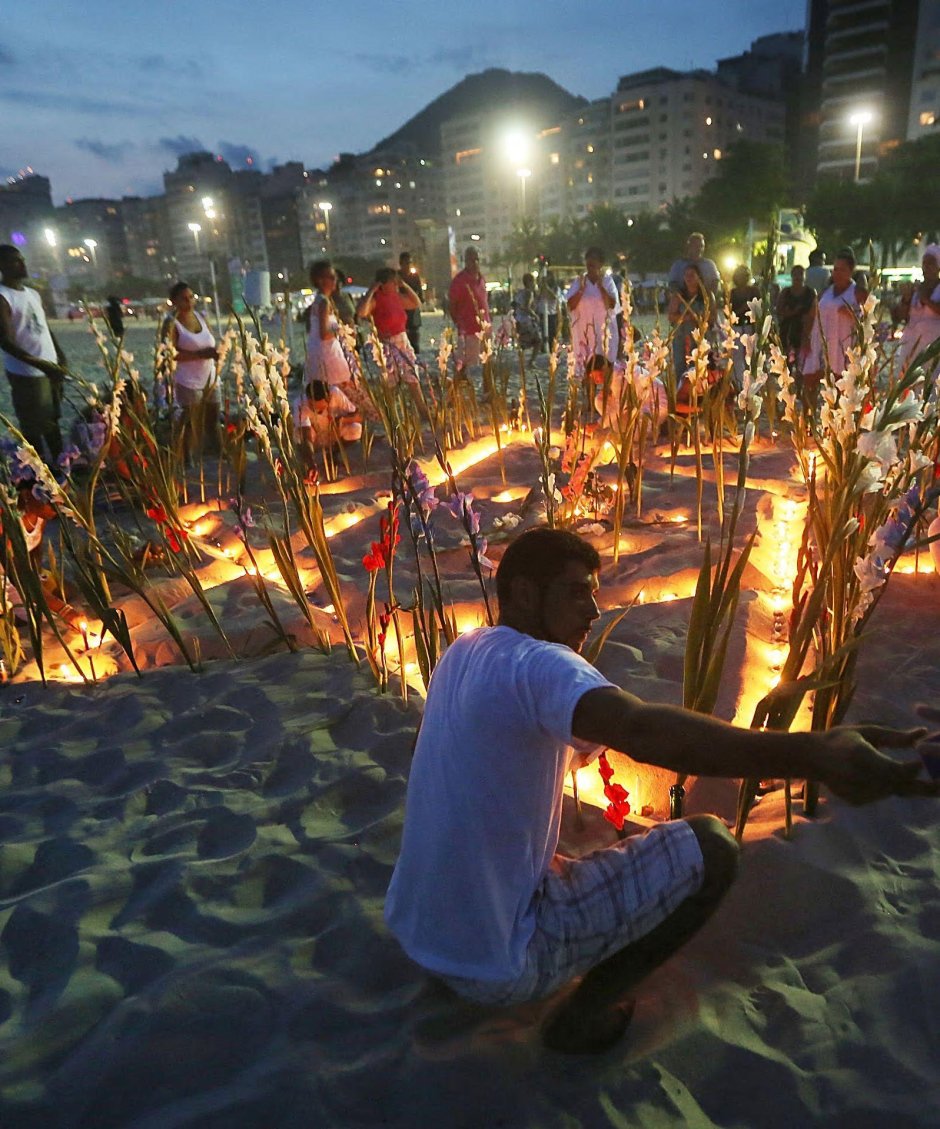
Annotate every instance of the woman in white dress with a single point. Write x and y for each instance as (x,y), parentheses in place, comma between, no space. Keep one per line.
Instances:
(594,304)
(920,308)
(326,360)
(835,324)
(195,383)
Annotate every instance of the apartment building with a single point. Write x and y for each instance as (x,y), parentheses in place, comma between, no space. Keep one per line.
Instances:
(867,57)
(924,114)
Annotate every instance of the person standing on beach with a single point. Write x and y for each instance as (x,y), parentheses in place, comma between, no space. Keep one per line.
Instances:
(195,383)
(469,311)
(388,302)
(479,897)
(114,315)
(835,326)
(695,256)
(818,275)
(33,359)
(408,274)
(593,302)
(796,306)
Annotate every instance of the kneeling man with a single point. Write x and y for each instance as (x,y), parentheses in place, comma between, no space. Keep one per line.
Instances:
(480,898)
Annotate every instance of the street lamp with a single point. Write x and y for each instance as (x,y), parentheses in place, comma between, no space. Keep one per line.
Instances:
(326,207)
(195,228)
(859,119)
(50,237)
(523,175)
(92,245)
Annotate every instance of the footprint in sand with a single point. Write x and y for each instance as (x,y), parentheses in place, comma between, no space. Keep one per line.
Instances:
(212,834)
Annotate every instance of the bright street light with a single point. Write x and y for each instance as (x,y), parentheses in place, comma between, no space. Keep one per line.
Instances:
(51,237)
(859,119)
(326,207)
(195,228)
(92,245)
(518,146)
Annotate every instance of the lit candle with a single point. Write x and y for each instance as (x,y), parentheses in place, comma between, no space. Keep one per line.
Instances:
(83,628)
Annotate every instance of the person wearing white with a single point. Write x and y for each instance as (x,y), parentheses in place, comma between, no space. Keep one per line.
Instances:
(33,360)
(325,360)
(836,324)
(593,303)
(480,896)
(195,383)
(920,308)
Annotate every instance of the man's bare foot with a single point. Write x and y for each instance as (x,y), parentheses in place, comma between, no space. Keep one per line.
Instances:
(574,1031)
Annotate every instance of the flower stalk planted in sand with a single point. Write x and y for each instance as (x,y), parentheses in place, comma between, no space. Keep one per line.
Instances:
(866,474)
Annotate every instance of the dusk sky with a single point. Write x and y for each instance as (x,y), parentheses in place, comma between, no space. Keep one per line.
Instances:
(102,98)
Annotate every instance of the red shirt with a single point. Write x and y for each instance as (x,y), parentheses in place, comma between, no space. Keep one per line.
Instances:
(388,313)
(468,302)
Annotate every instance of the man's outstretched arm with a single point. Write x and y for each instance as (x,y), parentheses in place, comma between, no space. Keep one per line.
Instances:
(844,758)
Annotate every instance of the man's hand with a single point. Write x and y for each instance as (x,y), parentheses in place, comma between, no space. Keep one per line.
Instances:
(856,772)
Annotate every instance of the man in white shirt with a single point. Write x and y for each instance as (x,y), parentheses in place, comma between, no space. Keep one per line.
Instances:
(695,254)
(479,896)
(34,361)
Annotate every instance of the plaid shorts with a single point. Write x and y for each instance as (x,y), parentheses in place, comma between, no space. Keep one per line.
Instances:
(587,909)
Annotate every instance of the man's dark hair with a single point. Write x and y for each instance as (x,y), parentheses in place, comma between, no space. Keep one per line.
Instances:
(847,255)
(404,255)
(816,257)
(177,288)
(596,253)
(8,249)
(385,274)
(319,268)
(540,555)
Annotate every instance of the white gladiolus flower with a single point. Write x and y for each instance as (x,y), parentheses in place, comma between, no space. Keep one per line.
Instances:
(754,308)
(879,445)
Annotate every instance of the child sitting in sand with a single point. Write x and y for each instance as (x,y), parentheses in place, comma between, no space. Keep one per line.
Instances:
(324,415)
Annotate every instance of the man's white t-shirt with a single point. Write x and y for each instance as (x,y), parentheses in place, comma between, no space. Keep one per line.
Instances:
(30,330)
(483,809)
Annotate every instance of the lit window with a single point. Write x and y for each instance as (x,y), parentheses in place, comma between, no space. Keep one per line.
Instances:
(717,154)
(708,121)
(928,117)
(590,148)
(553,158)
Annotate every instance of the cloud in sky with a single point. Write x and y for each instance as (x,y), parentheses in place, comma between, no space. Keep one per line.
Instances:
(112,152)
(177,146)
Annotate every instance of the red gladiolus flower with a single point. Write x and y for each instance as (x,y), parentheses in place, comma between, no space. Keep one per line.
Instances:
(375,559)
(173,541)
(157,513)
(619,807)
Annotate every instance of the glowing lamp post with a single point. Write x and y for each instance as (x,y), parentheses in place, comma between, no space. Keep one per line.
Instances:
(523,175)
(326,207)
(92,245)
(195,228)
(859,119)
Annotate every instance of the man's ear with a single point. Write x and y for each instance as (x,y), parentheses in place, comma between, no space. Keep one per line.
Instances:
(524,594)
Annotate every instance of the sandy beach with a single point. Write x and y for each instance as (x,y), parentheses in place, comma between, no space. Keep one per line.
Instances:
(193,869)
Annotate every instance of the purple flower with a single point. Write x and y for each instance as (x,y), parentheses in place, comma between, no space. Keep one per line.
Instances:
(69,455)
(422,488)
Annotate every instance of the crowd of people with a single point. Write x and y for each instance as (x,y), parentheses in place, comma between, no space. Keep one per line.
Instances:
(816,315)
